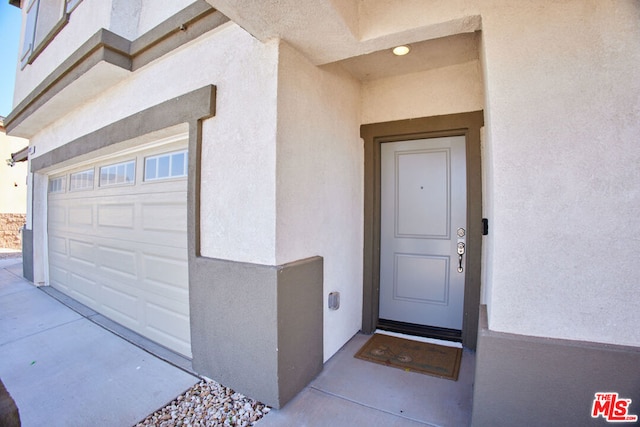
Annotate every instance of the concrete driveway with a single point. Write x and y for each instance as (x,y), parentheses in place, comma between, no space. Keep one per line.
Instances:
(64,370)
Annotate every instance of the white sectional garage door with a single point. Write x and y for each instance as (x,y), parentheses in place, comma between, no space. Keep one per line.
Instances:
(117,232)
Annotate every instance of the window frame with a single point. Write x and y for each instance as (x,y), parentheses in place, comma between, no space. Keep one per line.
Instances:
(30,49)
(57,179)
(82,172)
(170,155)
(125,163)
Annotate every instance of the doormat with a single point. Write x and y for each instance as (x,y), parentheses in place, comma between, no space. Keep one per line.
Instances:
(415,356)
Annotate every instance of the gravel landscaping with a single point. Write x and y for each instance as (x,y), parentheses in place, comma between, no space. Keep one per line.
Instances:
(208,404)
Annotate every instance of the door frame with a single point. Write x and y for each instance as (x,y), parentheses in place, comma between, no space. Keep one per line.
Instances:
(375,134)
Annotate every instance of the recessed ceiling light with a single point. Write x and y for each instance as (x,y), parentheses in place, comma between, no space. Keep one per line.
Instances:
(401,50)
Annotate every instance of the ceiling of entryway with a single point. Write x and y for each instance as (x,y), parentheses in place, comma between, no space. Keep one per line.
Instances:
(426,55)
(328,31)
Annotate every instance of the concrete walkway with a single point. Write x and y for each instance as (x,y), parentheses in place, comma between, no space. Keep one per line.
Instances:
(64,370)
(352,392)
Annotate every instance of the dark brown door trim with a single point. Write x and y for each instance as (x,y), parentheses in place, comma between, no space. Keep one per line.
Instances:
(467,124)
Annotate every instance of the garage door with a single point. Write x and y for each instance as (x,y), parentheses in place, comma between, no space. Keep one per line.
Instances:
(117,231)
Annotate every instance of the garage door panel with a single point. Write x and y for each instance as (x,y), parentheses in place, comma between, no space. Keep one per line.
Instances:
(122,250)
(165,264)
(84,289)
(58,245)
(120,303)
(116,215)
(81,216)
(178,308)
(171,240)
(57,215)
(172,331)
(118,260)
(58,277)
(82,252)
(173,218)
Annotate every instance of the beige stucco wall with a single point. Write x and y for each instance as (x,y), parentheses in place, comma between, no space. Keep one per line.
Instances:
(282,176)
(563,100)
(85,20)
(238,148)
(127,18)
(320,183)
(448,90)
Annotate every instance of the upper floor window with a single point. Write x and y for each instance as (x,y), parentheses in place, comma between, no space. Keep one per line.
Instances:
(45,18)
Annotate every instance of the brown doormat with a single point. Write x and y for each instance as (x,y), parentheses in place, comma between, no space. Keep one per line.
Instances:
(415,356)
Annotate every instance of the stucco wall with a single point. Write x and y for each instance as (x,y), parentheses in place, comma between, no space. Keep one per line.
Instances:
(382,17)
(238,147)
(563,85)
(153,12)
(448,90)
(127,18)
(320,183)
(86,19)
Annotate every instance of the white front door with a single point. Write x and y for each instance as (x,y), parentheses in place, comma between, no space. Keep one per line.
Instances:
(423,222)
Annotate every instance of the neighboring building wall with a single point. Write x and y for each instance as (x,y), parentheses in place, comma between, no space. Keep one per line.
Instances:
(13,191)
(10,230)
(320,188)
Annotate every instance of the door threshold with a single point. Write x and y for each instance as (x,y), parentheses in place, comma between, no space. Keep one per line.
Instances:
(436,341)
(446,334)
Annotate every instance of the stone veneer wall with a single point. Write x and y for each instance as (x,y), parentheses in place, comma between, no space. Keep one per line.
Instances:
(10,226)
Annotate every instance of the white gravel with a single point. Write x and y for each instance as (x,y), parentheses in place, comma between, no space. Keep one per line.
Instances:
(208,404)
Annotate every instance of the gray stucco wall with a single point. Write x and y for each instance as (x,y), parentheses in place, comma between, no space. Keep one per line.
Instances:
(27,254)
(257,328)
(531,381)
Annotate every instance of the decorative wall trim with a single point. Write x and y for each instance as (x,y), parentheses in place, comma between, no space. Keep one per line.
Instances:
(190,107)
(102,46)
(535,381)
(105,46)
(467,124)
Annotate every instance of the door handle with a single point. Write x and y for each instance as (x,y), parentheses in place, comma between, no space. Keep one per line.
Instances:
(461,249)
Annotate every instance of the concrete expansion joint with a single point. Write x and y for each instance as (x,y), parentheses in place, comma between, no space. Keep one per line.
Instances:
(373,408)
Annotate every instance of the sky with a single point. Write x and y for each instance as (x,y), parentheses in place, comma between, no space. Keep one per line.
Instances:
(10,22)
